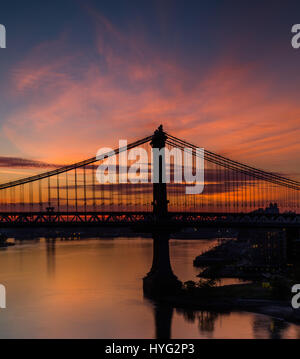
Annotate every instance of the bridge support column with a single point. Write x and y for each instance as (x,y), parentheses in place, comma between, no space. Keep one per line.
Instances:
(161,280)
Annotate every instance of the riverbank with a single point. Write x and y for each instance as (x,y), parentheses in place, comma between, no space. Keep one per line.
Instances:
(234,258)
(269,291)
(3,241)
(228,251)
(6,244)
(251,297)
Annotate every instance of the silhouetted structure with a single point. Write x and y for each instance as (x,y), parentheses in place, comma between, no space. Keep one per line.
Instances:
(233,192)
(161,279)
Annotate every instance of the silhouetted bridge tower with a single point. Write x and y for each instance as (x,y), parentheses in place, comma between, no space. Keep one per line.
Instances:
(161,278)
(235,195)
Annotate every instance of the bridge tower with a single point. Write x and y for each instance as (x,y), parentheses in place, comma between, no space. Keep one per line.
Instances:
(160,202)
(161,279)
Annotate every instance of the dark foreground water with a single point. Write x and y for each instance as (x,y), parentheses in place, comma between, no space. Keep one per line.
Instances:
(93,289)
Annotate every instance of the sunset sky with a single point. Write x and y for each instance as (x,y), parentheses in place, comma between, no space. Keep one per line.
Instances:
(80,75)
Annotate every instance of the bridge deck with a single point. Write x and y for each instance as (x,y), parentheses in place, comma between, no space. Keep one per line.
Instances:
(181,219)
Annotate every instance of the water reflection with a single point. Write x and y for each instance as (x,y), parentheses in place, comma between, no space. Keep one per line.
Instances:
(50,252)
(93,289)
(163,315)
(263,327)
(268,327)
(205,320)
(163,321)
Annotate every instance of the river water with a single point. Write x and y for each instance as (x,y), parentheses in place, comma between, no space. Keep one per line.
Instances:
(92,288)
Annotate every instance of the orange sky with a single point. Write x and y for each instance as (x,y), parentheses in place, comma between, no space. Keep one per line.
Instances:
(71,103)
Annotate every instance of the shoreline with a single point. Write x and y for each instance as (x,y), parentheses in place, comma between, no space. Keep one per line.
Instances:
(213,300)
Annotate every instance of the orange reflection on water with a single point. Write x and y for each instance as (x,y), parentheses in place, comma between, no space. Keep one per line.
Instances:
(93,289)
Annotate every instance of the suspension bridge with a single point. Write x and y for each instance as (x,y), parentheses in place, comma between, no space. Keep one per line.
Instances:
(234,194)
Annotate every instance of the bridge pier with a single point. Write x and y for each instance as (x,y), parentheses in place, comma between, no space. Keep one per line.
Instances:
(160,280)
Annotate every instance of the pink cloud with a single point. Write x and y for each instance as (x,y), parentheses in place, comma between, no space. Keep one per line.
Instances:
(70,110)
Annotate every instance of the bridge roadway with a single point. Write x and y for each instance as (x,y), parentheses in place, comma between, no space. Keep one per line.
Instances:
(148,219)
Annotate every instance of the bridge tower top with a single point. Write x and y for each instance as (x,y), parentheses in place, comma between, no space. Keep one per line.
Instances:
(159,138)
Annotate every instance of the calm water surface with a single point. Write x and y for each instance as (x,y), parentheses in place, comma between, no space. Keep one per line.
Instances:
(93,289)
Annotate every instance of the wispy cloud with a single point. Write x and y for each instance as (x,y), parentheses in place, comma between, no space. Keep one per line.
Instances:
(72,104)
(17,162)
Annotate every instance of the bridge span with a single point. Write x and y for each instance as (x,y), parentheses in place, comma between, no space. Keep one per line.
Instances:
(235,195)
